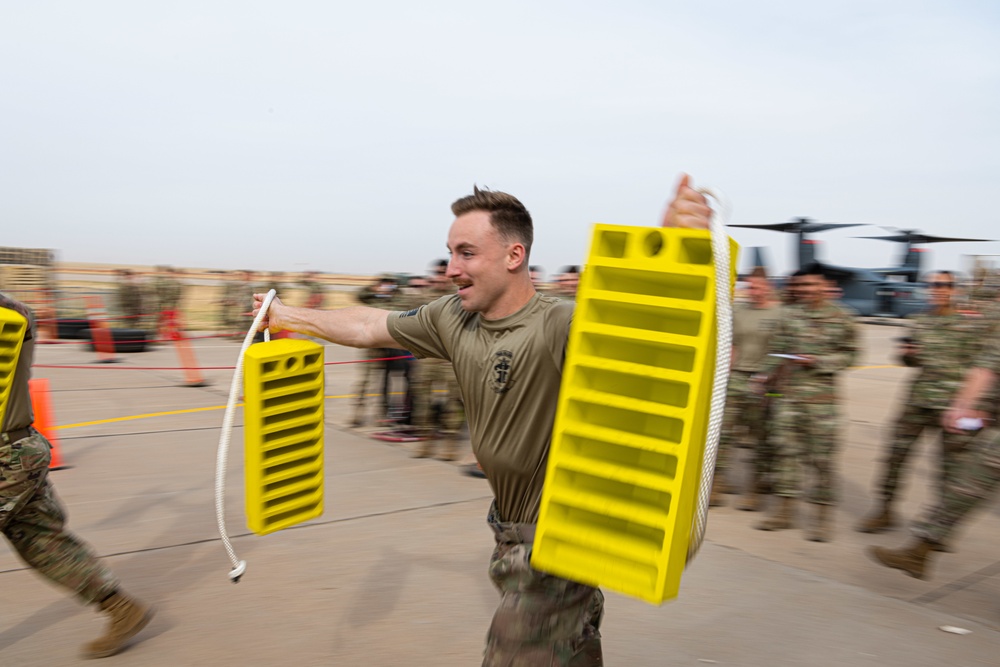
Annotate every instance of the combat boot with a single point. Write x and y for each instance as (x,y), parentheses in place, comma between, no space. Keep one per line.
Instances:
(822,528)
(425,449)
(449,448)
(881,520)
(782,516)
(128,616)
(912,560)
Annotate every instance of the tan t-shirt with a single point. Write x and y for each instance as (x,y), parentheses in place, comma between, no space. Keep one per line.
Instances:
(752,332)
(19,413)
(509,371)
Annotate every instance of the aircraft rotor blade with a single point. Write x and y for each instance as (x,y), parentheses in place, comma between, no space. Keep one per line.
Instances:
(916,238)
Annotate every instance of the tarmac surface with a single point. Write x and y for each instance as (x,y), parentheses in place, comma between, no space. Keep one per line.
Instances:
(394,572)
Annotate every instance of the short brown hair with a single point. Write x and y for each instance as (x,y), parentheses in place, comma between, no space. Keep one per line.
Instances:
(507,214)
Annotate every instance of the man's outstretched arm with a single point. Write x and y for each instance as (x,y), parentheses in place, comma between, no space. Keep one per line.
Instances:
(354,327)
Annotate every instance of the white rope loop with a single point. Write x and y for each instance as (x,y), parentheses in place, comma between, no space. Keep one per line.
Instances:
(239,566)
(724,342)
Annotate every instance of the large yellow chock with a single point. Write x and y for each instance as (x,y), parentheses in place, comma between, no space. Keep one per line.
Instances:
(283,388)
(13,326)
(629,436)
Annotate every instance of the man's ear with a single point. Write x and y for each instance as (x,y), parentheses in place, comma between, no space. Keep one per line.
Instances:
(516,256)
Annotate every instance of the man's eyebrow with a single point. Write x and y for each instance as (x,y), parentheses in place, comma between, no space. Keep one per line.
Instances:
(464,245)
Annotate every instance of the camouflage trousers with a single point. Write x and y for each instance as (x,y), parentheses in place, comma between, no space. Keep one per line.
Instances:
(746,414)
(542,620)
(427,375)
(805,437)
(371,373)
(975,481)
(32,518)
(913,421)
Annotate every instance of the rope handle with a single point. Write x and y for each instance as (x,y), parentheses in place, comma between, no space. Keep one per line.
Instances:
(723,354)
(239,566)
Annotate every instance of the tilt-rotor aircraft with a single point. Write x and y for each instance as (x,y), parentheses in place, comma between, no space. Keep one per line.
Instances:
(885,292)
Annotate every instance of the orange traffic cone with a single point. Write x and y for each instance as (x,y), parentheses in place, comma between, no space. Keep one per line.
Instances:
(38,389)
(192,375)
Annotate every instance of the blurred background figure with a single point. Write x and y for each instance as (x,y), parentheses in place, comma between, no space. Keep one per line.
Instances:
(537,274)
(382,293)
(128,296)
(755,322)
(167,291)
(237,297)
(315,290)
(568,282)
(436,422)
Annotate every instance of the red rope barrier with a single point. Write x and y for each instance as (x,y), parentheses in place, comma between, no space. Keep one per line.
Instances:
(206,368)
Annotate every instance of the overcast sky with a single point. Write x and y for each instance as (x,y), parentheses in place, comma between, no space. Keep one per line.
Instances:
(334,136)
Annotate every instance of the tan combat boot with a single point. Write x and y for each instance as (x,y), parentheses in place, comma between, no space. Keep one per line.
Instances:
(449,448)
(881,520)
(425,449)
(128,616)
(822,528)
(912,560)
(782,517)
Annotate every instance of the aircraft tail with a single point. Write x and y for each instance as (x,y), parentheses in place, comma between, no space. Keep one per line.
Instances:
(807,252)
(913,262)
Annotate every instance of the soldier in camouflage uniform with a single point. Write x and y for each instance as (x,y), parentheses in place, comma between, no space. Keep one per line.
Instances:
(167,292)
(973,483)
(129,297)
(821,339)
(431,373)
(754,324)
(942,343)
(33,520)
(380,294)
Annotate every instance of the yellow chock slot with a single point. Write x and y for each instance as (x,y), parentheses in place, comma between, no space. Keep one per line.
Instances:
(13,326)
(283,389)
(629,437)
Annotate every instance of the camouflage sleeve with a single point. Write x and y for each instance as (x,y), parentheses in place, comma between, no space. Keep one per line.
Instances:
(989,358)
(845,348)
(779,343)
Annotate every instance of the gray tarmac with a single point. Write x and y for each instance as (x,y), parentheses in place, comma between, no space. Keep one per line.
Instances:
(394,572)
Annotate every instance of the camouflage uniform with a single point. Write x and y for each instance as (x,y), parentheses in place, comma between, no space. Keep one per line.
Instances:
(806,414)
(129,298)
(977,477)
(430,373)
(975,481)
(746,410)
(541,619)
(167,294)
(31,516)
(947,346)
(373,371)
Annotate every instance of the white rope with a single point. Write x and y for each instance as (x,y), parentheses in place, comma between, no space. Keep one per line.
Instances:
(724,342)
(239,566)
